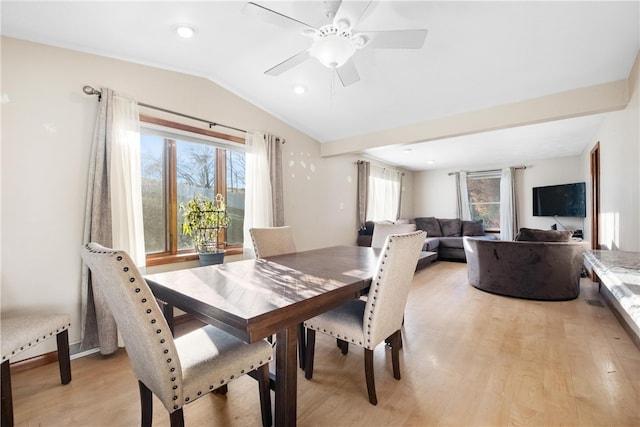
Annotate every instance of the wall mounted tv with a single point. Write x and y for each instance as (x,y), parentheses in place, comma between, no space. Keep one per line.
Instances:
(560,200)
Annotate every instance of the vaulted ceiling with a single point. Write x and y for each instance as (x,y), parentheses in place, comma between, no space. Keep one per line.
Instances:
(478,56)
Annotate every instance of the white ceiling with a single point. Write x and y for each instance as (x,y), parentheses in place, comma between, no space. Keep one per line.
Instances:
(477,55)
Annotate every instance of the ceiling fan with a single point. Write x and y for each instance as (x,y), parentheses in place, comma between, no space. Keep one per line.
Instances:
(335,43)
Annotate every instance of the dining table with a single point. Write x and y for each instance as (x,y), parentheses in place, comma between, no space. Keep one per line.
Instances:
(253,299)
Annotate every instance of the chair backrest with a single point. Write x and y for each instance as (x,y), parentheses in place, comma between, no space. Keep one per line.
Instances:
(272,241)
(390,286)
(140,321)
(382,230)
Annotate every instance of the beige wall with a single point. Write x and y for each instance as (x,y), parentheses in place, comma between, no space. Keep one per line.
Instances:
(47,125)
(619,138)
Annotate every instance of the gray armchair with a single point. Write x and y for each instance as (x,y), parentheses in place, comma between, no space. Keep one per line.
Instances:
(548,271)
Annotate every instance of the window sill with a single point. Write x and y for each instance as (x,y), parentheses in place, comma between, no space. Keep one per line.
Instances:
(162,259)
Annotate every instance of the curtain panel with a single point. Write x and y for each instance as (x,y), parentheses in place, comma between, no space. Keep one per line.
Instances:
(508,205)
(363,192)
(384,194)
(264,206)
(462,195)
(113,212)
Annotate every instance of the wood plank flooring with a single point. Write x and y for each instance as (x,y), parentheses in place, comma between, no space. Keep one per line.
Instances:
(469,359)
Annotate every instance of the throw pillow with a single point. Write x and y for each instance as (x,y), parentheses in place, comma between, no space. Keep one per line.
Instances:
(450,227)
(534,235)
(430,225)
(473,228)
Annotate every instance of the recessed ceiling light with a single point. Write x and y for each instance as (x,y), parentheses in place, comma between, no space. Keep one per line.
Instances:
(299,89)
(430,162)
(185,31)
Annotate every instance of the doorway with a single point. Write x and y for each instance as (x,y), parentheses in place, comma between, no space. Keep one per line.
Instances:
(595,199)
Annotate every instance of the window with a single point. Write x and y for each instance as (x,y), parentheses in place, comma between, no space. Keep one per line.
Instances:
(177,165)
(484,198)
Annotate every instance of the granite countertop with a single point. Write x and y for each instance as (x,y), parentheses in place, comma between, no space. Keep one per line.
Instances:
(619,271)
(625,266)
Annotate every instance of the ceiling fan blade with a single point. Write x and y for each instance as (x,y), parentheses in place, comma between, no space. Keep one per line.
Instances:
(348,73)
(399,39)
(288,64)
(276,18)
(351,11)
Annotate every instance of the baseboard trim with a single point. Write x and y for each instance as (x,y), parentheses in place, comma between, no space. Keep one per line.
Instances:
(34,362)
(52,356)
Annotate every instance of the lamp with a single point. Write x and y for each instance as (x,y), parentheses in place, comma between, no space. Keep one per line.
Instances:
(333,47)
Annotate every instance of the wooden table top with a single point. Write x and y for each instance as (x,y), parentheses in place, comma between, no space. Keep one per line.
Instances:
(253,299)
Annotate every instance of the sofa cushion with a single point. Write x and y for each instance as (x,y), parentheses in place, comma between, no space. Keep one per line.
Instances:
(430,225)
(451,242)
(473,228)
(450,227)
(431,244)
(534,235)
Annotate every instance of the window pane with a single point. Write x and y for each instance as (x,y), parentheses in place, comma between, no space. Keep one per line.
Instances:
(196,174)
(484,201)
(484,190)
(235,196)
(489,213)
(153,200)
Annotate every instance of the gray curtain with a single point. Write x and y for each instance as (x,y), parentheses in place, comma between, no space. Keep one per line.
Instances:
(98,328)
(274,155)
(363,191)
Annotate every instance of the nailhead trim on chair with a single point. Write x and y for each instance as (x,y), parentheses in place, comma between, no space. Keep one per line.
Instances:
(37,341)
(153,321)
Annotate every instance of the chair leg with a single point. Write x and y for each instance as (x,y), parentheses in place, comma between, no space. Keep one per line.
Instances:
(64,360)
(7,397)
(343,346)
(311,345)
(368,373)
(396,341)
(146,405)
(302,347)
(177,418)
(264,390)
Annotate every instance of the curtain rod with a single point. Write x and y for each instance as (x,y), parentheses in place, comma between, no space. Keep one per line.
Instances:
(91,91)
(490,170)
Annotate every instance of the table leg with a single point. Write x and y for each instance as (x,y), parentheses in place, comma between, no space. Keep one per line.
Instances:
(167,311)
(286,376)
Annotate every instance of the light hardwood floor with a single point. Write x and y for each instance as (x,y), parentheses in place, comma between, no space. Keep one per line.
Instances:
(469,359)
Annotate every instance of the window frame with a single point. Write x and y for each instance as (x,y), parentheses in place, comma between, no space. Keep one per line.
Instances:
(170,180)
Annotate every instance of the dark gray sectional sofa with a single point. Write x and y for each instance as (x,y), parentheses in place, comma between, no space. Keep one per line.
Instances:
(444,235)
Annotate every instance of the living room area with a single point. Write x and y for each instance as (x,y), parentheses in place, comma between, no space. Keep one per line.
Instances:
(469,357)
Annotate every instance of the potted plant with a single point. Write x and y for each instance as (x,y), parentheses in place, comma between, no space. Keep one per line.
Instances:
(205,220)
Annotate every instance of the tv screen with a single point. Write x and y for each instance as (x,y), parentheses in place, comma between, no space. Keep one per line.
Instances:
(560,200)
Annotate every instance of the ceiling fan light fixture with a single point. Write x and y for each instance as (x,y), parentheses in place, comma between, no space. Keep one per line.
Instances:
(185,31)
(333,50)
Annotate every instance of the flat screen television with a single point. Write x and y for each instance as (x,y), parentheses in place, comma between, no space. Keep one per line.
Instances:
(560,200)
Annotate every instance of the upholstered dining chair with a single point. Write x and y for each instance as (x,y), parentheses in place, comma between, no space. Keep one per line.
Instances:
(178,371)
(368,323)
(22,330)
(381,230)
(273,241)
